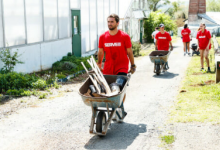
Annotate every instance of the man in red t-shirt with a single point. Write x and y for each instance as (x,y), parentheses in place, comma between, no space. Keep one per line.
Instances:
(116,45)
(204,42)
(186,39)
(163,40)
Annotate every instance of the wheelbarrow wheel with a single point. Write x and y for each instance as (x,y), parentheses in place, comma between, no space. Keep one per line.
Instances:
(100,121)
(157,69)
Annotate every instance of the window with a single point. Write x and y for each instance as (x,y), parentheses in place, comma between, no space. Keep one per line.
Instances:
(106,13)
(112,6)
(64,21)
(75,4)
(14,22)
(100,13)
(93,25)
(85,25)
(50,20)
(34,21)
(1,27)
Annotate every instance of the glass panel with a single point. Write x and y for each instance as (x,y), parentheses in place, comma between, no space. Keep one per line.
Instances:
(93,25)
(75,4)
(112,7)
(116,7)
(100,17)
(85,25)
(64,18)
(34,21)
(106,13)
(14,22)
(1,26)
(50,20)
(75,24)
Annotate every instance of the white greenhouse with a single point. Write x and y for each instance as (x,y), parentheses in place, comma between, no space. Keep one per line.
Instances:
(43,31)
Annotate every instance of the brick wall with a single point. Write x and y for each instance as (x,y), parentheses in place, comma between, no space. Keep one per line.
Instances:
(195,7)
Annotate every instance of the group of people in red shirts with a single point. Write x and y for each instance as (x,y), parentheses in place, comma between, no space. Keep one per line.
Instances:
(204,43)
(117,48)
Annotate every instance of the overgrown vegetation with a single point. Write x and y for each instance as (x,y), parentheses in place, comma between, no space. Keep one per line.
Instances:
(136,47)
(199,98)
(154,20)
(20,84)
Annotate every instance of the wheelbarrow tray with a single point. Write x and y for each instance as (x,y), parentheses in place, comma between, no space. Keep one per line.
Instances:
(155,58)
(112,101)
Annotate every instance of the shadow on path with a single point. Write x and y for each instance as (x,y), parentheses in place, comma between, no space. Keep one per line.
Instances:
(123,133)
(166,75)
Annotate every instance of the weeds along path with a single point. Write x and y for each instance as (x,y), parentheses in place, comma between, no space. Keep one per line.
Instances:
(63,123)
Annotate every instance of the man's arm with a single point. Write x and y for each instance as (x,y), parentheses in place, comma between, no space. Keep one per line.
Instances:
(171,45)
(130,55)
(100,58)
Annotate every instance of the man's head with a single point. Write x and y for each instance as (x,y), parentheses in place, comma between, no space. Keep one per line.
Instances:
(156,28)
(161,27)
(113,21)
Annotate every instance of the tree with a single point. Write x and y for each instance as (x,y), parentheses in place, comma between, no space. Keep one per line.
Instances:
(213,5)
(154,20)
(154,5)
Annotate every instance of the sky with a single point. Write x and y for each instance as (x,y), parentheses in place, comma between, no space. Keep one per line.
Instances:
(124,4)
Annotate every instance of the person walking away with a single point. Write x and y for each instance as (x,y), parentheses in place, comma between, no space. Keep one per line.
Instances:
(153,36)
(163,41)
(186,32)
(116,45)
(204,45)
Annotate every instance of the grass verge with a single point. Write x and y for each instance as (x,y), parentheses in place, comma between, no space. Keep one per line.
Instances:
(168,139)
(199,98)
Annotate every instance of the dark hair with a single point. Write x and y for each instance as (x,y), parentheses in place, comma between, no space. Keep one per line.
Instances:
(185,26)
(114,16)
(157,28)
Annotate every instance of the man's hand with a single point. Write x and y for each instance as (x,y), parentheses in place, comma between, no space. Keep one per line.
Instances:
(132,69)
(171,48)
(100,67)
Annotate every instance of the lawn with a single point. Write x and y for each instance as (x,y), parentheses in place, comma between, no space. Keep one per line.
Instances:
(199,97)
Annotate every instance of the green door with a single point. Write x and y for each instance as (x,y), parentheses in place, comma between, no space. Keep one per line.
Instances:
(141,31)
(76,33)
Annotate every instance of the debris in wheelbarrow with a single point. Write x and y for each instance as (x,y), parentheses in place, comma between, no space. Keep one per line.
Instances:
(98,79)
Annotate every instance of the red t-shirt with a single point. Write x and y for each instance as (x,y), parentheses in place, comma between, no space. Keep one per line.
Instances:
(163,41)
(185,33)
(115,48)
(204,39)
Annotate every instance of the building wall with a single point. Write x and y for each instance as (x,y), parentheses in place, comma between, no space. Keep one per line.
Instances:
(41,29)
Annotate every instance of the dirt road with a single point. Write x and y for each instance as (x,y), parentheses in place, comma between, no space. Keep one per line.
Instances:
(63,123)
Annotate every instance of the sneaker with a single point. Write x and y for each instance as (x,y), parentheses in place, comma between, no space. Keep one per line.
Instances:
(202,69)
(189,54)
(209,70)
(184,53)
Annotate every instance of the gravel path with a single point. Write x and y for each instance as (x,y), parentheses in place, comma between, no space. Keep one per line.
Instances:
(63,123)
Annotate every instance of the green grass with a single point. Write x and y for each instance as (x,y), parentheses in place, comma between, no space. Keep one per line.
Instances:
(198,101)
(168,139)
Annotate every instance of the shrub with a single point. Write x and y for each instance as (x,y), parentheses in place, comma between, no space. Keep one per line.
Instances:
(15,80)
(39,84)
(61,76)
(136,47)
(9,59)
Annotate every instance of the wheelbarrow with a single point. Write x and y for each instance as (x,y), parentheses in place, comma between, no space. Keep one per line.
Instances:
(159,58)
(104,105)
